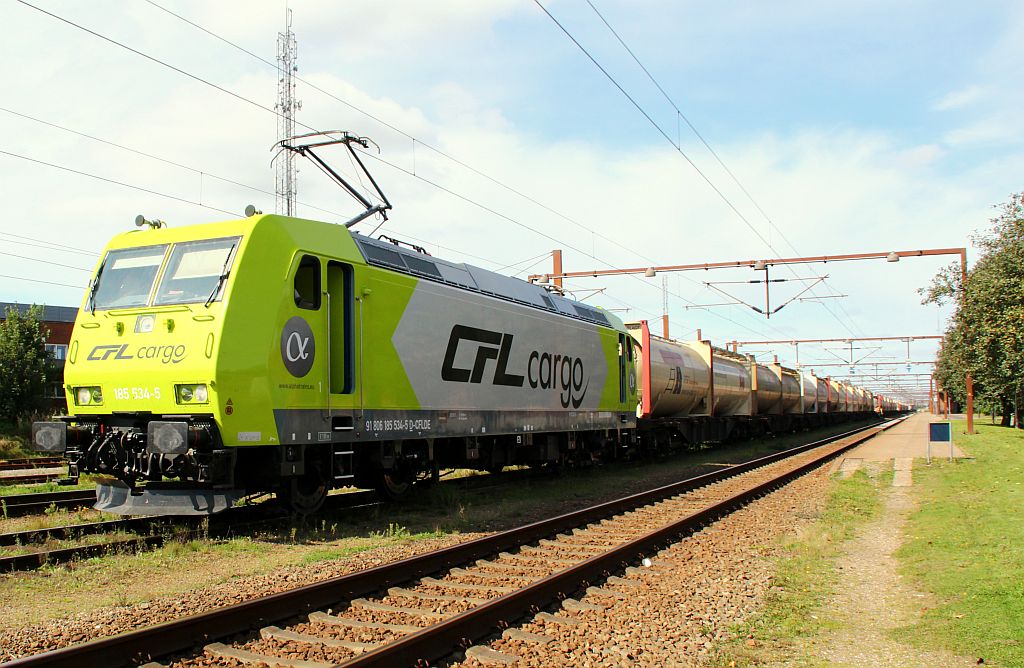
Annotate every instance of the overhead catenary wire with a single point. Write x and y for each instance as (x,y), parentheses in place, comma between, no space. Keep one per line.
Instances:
(415,140)
(46,245)
(519,223)
(55,264)
(196,170)
(708,146)
(276,113)
(36,280)
(114,181)
(676,145)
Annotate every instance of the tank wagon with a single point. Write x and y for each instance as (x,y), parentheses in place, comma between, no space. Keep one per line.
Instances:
(694,392)
(270,353)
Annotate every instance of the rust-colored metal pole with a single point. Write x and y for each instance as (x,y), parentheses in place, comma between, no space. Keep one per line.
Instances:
(969,380)
(556,257)
(883,255)
(931,394)
(664,320)
(847,339)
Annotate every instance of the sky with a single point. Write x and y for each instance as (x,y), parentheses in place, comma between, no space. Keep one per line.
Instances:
(838,127)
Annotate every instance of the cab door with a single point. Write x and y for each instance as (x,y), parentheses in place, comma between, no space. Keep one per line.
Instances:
(302,339)
(340,330)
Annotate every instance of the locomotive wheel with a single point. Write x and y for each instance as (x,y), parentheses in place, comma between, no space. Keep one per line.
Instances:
(393,485)
(304,494)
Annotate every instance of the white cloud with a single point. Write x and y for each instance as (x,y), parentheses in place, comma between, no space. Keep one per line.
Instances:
(830,190)
(992,130)
(959,99)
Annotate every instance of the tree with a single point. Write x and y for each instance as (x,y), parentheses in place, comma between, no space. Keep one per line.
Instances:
(985,337)
(25,365)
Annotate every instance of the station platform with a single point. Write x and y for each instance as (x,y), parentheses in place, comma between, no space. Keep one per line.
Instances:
(901,445)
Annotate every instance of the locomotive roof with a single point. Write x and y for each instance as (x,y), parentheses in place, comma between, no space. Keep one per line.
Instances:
(466,276)
(393,257)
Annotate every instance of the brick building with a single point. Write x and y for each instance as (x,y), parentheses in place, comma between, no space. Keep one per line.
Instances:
(58,321)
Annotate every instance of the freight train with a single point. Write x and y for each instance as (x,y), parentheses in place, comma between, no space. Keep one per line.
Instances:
(271,353)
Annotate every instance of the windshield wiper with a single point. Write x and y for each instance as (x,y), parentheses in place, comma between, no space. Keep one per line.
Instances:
(223,276)
(94,288)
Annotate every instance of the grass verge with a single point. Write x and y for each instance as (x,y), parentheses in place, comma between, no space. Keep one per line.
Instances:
(805,577)
(965,545)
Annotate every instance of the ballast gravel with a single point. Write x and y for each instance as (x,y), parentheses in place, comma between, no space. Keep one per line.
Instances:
(19,642)
(690,597)
(669,614)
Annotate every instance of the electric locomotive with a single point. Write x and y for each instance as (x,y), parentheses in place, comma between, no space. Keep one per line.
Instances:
(270,353)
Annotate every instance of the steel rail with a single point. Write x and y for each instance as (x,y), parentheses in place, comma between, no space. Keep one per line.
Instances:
(31,463)
(33,560)
(437,641)
(15,505)
(221,525)
(30,476)
(69,531)
(139,646)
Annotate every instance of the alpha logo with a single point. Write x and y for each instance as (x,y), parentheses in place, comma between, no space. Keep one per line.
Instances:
(162,354)
(544,370)
(298,347)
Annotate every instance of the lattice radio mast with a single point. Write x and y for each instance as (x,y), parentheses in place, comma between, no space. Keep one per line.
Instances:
(286,107)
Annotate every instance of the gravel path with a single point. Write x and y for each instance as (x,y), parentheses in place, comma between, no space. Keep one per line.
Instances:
(873,599)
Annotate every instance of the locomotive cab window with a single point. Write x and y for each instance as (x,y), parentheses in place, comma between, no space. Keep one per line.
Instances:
(196,272)
(307,283)
(126,277)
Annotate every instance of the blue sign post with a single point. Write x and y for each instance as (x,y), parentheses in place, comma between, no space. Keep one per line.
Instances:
(940,432)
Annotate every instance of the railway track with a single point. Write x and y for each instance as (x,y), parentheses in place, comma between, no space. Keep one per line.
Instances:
(31,463)
(152,532)
(16,505)
(33,470)
(435,602)
(148,532)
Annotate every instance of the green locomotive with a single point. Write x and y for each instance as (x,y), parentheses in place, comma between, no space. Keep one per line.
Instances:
(271,353)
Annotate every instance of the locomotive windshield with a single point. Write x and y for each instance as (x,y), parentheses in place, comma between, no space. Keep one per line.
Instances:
(126,277)
(196,271)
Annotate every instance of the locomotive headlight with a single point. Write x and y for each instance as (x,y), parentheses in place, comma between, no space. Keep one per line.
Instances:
(144,324)
(192,394)
(88,396)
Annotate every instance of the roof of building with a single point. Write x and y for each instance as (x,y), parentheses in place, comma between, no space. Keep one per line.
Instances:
(50,313)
